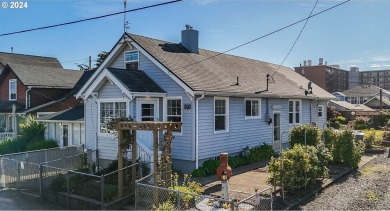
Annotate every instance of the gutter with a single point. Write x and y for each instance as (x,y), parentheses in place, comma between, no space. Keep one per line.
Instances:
(197,131)
(238,94)
(27,101)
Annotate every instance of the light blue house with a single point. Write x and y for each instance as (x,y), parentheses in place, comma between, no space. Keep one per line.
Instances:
(224,101)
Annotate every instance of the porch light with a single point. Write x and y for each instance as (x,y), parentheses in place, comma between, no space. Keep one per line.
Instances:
(353,113)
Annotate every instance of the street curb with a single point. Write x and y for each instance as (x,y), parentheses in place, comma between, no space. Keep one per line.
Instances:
(312,193)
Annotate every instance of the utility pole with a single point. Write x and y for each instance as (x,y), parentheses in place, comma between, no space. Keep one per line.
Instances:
(380,98)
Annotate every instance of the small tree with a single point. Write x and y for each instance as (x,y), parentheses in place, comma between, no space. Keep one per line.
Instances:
(347,150)
(302,166)
(100,58)
(298,133)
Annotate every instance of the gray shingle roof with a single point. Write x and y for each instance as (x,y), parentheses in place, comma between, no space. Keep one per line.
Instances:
(12,58)
(136,81)
(219,74)
(349,106)
(46,76)
(364,91)
(73,114)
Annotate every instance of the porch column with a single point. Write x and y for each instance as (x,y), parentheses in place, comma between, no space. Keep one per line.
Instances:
(120,164)
(134,158)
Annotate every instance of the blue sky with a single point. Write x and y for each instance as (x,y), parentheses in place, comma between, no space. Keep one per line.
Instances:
(354,34)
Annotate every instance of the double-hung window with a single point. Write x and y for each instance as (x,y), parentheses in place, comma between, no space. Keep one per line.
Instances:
(174,111)
(294,111)
(12,89)
(221,114)
(131,60)
(252,108)
(109,111)
(321,111)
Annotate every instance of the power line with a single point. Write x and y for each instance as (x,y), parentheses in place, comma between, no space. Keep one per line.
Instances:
(266,35)
(296,40)
(88,19)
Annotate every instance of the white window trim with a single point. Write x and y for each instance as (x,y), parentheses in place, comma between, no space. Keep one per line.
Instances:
(227,115)
(9,89)
(323,110)
(182,107)
(113,100)
(124,58)
(259,111)
(294,111)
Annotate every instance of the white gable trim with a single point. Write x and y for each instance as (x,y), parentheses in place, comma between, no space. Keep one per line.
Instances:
(103,66)
(164,69)
(106,74)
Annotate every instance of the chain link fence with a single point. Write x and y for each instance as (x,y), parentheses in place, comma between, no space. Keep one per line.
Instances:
(260,200)
(89,191)
(46,155)
(150,197)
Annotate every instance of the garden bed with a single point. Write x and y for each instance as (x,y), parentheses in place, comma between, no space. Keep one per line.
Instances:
(375,150)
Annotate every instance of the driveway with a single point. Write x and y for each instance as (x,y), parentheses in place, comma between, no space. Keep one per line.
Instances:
(12,200)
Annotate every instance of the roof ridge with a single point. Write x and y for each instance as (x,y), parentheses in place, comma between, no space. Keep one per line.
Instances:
(19,54)
(212,51)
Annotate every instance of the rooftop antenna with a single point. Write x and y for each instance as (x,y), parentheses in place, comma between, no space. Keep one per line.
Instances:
(125,22)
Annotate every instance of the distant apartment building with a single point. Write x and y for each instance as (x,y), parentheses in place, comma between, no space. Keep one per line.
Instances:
(329,77)
(380,78)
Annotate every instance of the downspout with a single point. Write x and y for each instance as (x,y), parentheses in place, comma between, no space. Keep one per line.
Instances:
(29,88)
(311,115)
(197,131)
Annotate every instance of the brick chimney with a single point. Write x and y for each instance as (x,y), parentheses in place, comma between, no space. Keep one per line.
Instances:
(190,39)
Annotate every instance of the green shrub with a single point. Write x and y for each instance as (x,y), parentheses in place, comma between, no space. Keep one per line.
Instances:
(58,183)
(347,150)
(210,166)
(361,123)
(341,120)
(31,129)
(165,206)
(297,135)
(301,167)
(330,137)
(11,146)
(256,154)
(41,144)
(187,186)
(386,135)
(370,138)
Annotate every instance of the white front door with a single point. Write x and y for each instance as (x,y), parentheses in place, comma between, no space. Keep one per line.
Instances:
(147,110)
(65,135)
(276,130)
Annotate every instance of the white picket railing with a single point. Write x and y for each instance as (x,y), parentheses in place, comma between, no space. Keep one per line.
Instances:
(144,153)
(5,135)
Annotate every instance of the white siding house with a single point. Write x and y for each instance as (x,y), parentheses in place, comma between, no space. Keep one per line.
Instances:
(225,103)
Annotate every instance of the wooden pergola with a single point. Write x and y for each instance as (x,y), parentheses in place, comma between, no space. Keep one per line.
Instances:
(131,128)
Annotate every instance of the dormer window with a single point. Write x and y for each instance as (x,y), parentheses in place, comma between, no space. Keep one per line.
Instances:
(12,89)
(131,60)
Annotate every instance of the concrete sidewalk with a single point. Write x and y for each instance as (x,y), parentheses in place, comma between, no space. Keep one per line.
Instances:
(13,200)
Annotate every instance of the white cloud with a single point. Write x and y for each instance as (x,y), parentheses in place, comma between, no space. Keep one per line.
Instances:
(379,65)
(383,58)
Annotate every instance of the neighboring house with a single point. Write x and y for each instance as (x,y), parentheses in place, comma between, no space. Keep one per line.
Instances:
(66,127)
(340,96)
(361,94)
(375,103)
(221,99)
(350,111)
(27,82)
